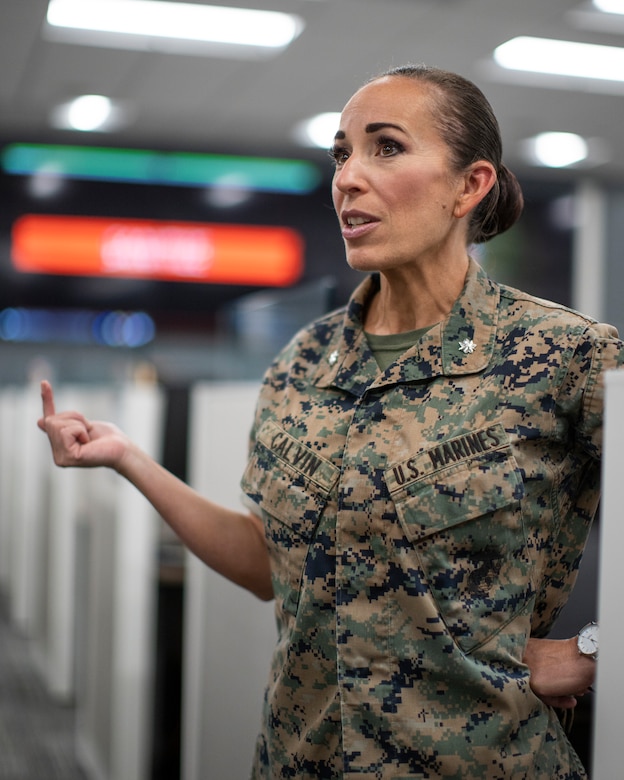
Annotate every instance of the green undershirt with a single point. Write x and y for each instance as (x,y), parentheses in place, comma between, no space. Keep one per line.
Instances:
(388,349)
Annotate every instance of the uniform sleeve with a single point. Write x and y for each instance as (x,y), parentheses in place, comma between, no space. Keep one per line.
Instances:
(608,355)
(581,399)
(581,395)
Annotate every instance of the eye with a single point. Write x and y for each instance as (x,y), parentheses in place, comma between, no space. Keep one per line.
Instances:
(388,147)
(339,155)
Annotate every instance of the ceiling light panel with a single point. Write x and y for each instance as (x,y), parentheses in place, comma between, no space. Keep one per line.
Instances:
(558,150)
(167,26)
(318,131)
(562,58)
(87,113)
(610,6)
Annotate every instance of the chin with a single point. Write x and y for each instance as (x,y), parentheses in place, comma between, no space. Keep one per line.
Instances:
(360,262)
(369,265)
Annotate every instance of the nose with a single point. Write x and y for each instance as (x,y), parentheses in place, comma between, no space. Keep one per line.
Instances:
(349,176)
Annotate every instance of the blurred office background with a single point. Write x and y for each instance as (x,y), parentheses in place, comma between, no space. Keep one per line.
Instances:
(160,240)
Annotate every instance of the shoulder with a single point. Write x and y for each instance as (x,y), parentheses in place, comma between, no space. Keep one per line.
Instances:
(296,363)
(313,339)
(530,311)
(577,347)
(305,350)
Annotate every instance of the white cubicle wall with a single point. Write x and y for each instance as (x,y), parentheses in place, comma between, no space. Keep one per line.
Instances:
(607,751)
(76,502)
(26,489)
(81,579)
(81,573)
(134,595)
(116,585)
(8,431)
(229,634)
(6,495)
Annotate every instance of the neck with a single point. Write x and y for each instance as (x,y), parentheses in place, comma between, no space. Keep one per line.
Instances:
(410,299)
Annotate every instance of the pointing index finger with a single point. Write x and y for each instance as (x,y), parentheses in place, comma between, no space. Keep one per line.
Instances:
(47,397)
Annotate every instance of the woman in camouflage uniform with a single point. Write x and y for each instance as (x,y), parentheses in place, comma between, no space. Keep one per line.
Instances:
(423,473)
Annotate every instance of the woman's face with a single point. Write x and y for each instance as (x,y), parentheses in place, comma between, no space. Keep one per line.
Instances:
(394,189)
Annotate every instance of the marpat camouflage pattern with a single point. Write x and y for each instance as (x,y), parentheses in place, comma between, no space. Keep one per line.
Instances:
(422,522)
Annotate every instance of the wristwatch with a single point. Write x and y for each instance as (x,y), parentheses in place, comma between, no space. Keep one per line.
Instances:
(587,640)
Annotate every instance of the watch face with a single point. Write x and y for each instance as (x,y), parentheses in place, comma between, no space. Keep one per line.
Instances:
(588,640)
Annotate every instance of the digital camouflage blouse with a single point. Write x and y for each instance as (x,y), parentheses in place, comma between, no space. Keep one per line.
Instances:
(422,522)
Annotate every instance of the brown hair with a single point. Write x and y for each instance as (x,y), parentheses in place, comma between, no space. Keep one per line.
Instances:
(468,126)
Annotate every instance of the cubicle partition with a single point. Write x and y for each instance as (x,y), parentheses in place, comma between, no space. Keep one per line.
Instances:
(79,572)
(8,498)
(77,504)
(607,758)
(27,487)
(229,634)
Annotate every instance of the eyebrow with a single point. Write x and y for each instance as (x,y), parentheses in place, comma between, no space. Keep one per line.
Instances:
(373,127)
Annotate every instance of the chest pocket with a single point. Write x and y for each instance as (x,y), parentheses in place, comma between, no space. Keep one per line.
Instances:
(291,484)
(461,511)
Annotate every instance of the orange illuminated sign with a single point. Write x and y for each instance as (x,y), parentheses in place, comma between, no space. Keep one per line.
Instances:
(170,251)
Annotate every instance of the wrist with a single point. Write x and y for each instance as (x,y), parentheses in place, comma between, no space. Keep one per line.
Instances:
(128,459)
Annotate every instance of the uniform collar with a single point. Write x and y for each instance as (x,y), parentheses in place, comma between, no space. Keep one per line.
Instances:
(445,349)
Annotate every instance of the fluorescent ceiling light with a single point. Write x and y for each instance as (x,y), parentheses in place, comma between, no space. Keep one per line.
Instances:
(319,130)
(605,16)
(558,150)
(610,6)
(156,24)
(89,113)
(562,150)
(562,58)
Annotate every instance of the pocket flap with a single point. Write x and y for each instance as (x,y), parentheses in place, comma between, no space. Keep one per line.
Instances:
(460,479)
(288,479)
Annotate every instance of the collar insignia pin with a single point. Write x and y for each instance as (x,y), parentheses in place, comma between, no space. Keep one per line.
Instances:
(467,346)
(333,357)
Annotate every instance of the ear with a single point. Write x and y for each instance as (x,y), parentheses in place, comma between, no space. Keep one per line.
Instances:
(476,182)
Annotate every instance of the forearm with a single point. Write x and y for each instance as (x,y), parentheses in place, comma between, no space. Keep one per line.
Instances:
(229,542)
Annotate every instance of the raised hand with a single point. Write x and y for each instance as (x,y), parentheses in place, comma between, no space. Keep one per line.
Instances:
(77,441)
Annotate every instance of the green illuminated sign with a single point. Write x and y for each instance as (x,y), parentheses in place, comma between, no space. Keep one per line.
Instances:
(182,169)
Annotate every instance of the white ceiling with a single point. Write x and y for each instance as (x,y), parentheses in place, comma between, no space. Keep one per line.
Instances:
(210,104)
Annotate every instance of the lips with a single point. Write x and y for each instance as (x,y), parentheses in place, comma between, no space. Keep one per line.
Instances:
(356,224)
